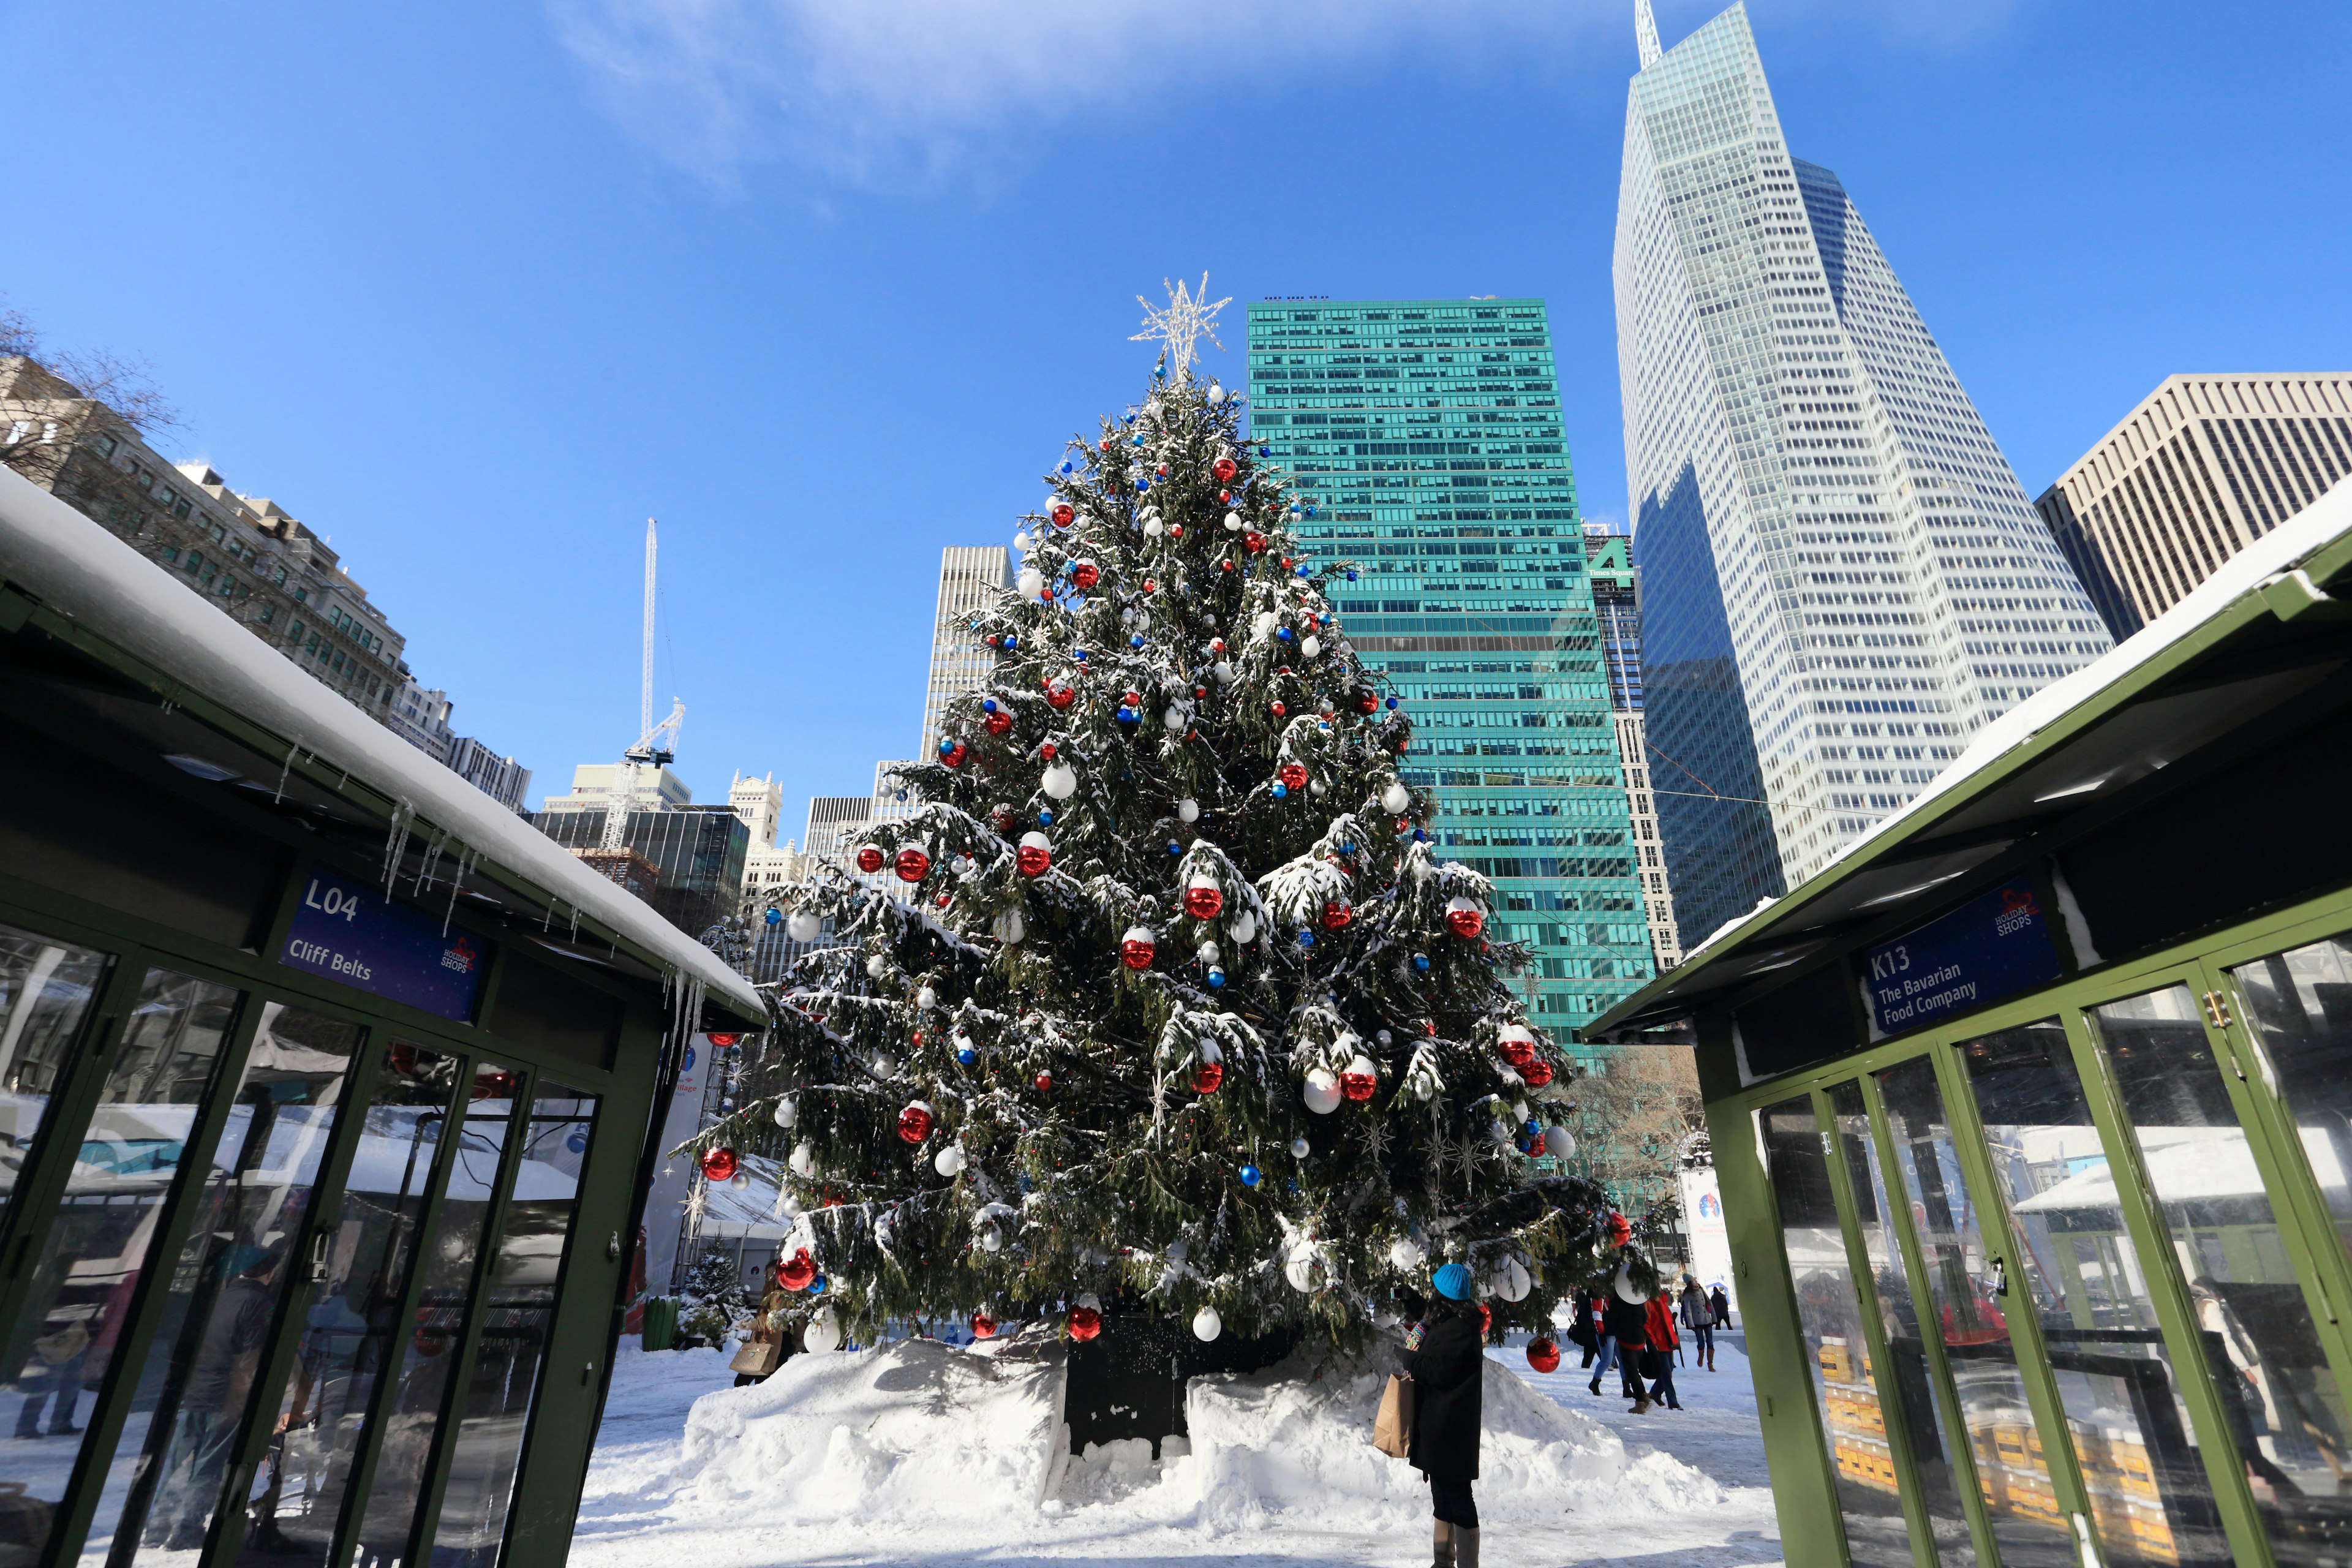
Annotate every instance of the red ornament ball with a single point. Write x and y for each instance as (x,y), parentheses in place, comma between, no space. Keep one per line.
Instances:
(718,1164)
(912,865)
(796,1272)
(1519,1052)
(1085,1323)
(1063,513)
(1203,901)
(1085,574)
(1486,1318)
(1537,1073)
(1543,1355)
(1044,1082)
(1620,1233)
(998,722)
(1367,703)
(1060,694)
(1464,919)
(1047,751)
(1226,565)
(1225,469)
(1337,914)
(1137,951)
(1175,531)
(1208,1078)
(1035,856)
(1132,699)
(983,1327)
(1216,645)
(915,1123)
(1279,710)
(1292,775)
(1149,586)
(869,859)
(944,899)
(1358,1085)
(953,756)
(1254,542)
(1001,818)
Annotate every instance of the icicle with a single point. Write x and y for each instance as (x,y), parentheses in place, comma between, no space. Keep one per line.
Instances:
(396,843)
(432,857)
(290,750)
(465,861)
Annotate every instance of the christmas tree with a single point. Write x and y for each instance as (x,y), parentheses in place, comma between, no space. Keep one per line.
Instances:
(1179,1009)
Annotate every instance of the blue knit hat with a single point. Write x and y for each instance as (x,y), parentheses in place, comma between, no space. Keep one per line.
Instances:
(1453,1282)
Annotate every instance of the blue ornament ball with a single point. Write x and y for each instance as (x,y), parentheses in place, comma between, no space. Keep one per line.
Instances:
(775,917)
(1250,1175)
(819,1286)
(1392,704)
(1127,417)
(1280,790)
(1307,939)
(1303,569)
(1068,467)
(988,704)
(1310,512)
(1143,484)
(1135,641)
(1216,980)
(1128,716)
(1079,654)
(1010,642)
(1351,577)
(1174,847)
(1282,634)
(1421,961)
(1419,836)
(966,1056)
(1045,818)
(945,747)
(1347,847)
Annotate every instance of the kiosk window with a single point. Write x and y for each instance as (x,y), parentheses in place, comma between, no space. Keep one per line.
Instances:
(2075,1267)
(2300,1004)
(45,991)
(2262,1350)
(104,1237)
(195,1390)
(2003,1439)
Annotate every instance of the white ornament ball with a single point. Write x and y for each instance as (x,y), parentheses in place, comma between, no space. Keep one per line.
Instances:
(1560,1143)
(1265,623)
(1510,1281)
(1306,1268)
(1311,647)
(1008,929)
(804,1160)
(1225,672)
(1232,522)
(1627,1291)
(1188,810)
(802,925)
(1021,540)
(875,966)
(1300,1148)
(1315,787)
(1245,928)
(948,1161)
(1395,799)
(1152,530)
(1208,953)
(1407,1255)
(1174,719)
(823,1333)
(788,1110)
(1031,582)
(1061,781)
(1322,1092)
(1216,395)
(1207,1325)
(991,1239)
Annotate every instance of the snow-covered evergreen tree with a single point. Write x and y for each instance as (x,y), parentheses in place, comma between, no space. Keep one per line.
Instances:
(1182,1010)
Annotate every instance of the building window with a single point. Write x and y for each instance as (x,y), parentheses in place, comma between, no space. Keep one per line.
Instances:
(18,429)
(196,559)
(301,595)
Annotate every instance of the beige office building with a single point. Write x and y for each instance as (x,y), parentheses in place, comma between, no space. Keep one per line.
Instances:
(971,576)
(2202,468)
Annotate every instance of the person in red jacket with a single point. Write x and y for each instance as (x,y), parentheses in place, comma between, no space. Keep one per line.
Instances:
(1658,1360)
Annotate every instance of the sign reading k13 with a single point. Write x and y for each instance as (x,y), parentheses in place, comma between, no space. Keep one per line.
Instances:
(1982,951)
(355,935)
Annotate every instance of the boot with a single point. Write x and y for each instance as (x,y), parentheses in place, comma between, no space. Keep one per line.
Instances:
(1596,1388)
(1442,1545)
(1465,1548)
(1642,1405)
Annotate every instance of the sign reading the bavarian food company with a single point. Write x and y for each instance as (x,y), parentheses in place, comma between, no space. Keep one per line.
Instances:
(1994,947)
(357,936)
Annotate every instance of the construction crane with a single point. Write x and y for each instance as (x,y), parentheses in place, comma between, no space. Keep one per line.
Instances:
(638,776)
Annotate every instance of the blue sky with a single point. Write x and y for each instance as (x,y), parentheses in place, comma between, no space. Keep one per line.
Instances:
(475,289)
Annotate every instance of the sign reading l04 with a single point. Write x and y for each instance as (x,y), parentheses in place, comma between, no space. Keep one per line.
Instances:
(356,936)
(1994,947)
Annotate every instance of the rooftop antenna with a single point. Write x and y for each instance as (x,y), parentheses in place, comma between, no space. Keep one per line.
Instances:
(656,745)
(646,694)
(1645,34)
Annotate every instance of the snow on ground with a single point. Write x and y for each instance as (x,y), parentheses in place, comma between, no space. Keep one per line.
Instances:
(922,1453)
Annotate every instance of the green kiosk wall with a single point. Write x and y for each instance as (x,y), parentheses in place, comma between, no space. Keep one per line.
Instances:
(325,1106)
(2034,1116)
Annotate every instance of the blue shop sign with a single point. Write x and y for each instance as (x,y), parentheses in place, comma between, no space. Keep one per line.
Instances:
(357,936)
(1994,947)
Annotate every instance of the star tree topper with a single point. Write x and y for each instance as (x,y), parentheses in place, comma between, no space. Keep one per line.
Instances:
(1188,317)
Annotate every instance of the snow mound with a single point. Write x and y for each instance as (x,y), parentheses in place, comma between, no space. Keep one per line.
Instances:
(914,1429)
(1296,1440)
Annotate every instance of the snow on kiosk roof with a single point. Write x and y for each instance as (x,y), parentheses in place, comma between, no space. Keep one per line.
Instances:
(2188,781)
(237,711)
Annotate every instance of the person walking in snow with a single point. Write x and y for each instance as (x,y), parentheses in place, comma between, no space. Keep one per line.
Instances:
(1658,1360)
(1581,1330)
(1698,1317)
(1722,1305)
(1628,1335)
(1446,1359)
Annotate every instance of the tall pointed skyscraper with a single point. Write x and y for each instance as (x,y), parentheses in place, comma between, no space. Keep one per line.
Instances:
(1841,578)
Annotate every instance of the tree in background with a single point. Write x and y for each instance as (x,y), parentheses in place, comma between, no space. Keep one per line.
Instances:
(1182,1011)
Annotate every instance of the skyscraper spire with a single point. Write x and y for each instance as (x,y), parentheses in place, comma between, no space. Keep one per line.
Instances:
(1645,33)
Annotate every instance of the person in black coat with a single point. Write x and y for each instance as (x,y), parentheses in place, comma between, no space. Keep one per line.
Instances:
(1629,1333)
(1446,1357)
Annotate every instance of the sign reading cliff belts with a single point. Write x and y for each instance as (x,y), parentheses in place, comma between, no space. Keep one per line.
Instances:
(358,937)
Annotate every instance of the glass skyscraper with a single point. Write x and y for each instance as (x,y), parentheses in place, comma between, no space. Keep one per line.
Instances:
(1841,578)
(1426,436)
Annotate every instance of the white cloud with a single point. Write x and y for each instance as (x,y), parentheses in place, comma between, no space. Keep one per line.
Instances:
(884,89)
(894,91)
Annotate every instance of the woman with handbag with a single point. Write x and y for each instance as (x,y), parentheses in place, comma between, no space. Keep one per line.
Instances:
(1446,1357)
(768,1345)
(1658,1360)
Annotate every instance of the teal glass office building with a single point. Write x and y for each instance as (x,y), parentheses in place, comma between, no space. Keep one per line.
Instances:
(1426,436)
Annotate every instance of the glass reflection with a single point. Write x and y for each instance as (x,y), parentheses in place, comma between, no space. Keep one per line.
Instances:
(2150,1501)
(354,1325)
(2011,1473)
(46,991)
(437,1328)
(525,1278)
(2285,1414)
(166,1485)
(94,1255)
(1829,1316)
(1918,1402)
(2300,1004)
